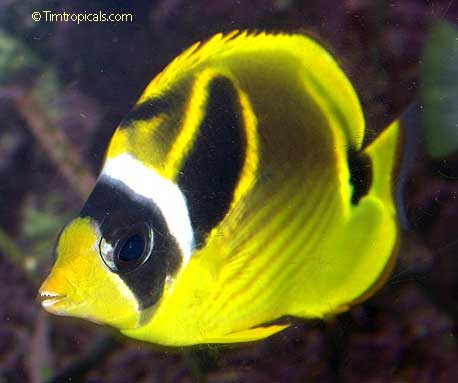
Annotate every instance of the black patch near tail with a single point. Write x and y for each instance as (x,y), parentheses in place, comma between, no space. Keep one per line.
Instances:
(360,168)
(212,168)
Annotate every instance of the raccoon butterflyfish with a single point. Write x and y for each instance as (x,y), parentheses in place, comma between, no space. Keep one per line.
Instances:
(234,196)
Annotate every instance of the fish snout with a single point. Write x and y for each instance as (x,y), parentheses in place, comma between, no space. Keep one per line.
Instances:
(49,299)
(55,292)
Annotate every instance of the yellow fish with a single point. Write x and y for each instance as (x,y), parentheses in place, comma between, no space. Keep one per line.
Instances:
(235,195)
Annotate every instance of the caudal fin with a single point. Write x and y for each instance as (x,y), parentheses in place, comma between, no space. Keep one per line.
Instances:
(384,156)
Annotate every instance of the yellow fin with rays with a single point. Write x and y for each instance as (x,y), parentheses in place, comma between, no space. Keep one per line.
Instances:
(367,242)
(383,154)
(237,49)
(235,55)
(249,335)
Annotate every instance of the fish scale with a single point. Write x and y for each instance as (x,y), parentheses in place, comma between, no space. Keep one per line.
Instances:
(245,296)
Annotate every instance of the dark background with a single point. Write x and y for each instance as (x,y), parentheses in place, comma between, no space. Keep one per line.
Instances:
(64,88)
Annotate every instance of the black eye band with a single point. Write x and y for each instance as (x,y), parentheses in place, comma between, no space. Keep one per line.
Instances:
(135,241)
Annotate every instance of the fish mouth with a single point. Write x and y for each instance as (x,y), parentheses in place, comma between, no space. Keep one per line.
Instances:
(48,299)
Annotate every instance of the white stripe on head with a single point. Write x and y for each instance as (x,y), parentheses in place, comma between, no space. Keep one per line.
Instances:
(166,195)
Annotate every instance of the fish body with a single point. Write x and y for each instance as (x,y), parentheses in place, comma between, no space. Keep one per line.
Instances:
(234,195)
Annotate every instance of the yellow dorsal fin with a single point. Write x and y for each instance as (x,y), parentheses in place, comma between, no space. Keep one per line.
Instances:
(322,75)
(188,61)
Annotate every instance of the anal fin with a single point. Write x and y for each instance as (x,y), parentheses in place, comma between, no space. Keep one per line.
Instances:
(250,335)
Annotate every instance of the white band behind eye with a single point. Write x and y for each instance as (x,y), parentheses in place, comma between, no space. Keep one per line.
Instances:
(166,195)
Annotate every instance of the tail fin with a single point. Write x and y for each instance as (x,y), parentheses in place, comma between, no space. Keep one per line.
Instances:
(383,152)
(355,257)
(378,219)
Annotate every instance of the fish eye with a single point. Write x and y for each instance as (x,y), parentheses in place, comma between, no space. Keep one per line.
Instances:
(130,250)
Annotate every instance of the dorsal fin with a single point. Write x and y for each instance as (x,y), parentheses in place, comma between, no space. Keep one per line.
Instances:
(318,69)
